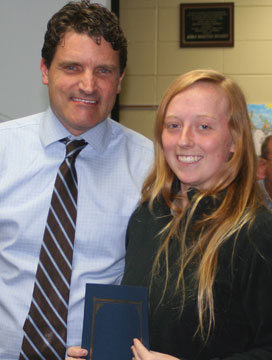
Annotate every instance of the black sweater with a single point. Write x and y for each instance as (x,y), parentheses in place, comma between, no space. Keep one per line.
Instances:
(242,290)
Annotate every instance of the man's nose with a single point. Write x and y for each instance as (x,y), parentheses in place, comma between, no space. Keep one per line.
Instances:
(87,82)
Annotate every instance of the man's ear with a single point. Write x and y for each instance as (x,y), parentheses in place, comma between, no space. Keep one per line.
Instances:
(261,168)
(44,70)
(120,82)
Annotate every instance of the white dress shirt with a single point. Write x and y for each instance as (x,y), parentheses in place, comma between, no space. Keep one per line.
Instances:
(110,171)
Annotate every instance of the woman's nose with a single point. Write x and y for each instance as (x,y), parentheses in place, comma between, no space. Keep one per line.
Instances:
(186,138)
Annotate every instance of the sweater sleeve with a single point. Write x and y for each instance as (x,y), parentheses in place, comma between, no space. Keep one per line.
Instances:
(255,282)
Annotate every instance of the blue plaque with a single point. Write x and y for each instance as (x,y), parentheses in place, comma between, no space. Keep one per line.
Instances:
(113,316)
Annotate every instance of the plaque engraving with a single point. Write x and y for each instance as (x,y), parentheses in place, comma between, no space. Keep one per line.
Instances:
(206,25)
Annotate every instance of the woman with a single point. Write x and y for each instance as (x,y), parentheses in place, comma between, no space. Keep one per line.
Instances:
(201,238)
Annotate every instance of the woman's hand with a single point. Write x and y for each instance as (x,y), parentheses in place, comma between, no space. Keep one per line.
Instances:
(76,352)
(140,352)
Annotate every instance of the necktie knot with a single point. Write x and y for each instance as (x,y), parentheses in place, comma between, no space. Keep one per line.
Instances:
(73,147)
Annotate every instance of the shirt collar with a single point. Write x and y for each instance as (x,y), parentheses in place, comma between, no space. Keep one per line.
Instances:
(266,195)
(52,130)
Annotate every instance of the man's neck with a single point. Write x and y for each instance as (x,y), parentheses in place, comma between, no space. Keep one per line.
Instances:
(268,188)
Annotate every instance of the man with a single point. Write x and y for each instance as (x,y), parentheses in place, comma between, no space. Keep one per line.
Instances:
(265,170)
(83,63)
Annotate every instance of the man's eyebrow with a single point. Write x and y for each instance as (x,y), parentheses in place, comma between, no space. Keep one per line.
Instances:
(108,66)
(68,62)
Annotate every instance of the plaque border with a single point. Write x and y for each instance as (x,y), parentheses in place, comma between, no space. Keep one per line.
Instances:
(206,43)
(130,300)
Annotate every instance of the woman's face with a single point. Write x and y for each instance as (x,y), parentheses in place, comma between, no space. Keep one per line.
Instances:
(196,138)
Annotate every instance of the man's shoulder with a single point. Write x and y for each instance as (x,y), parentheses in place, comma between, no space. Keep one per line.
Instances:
(266,195)
(132,137)
(20,123)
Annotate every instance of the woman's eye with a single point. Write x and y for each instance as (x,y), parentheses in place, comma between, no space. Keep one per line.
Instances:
(204,127)
(173,126)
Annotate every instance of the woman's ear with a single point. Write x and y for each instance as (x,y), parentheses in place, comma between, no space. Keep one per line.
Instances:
(232,147)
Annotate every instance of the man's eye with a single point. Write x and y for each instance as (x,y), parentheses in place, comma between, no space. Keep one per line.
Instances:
(104,71)
(71,67)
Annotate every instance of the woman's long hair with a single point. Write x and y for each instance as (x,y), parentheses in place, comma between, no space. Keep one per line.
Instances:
(239,205)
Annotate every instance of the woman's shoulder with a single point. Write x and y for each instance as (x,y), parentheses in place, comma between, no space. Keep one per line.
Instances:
(262,223)
(158,209)
(146,222)
(256,237)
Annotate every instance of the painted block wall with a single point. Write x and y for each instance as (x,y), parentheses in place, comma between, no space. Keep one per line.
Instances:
(155,58)
(22,27)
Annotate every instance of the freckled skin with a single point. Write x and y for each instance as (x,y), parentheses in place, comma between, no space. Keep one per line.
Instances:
(196,138)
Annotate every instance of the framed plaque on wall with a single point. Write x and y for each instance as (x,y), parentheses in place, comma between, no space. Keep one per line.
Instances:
(207,25)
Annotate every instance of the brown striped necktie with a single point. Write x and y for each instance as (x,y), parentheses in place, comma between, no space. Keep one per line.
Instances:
(45,328)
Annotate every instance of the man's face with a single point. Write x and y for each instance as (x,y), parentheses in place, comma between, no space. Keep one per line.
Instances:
(268,164)
(83,81)
(264,169)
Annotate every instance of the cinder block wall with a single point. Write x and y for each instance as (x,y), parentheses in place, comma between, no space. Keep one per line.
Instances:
(155,58)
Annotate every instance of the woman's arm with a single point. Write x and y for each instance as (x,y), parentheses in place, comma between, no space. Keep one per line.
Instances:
(140,352)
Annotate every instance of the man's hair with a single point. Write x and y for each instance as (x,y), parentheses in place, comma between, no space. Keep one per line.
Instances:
(83,17)
(264,147)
